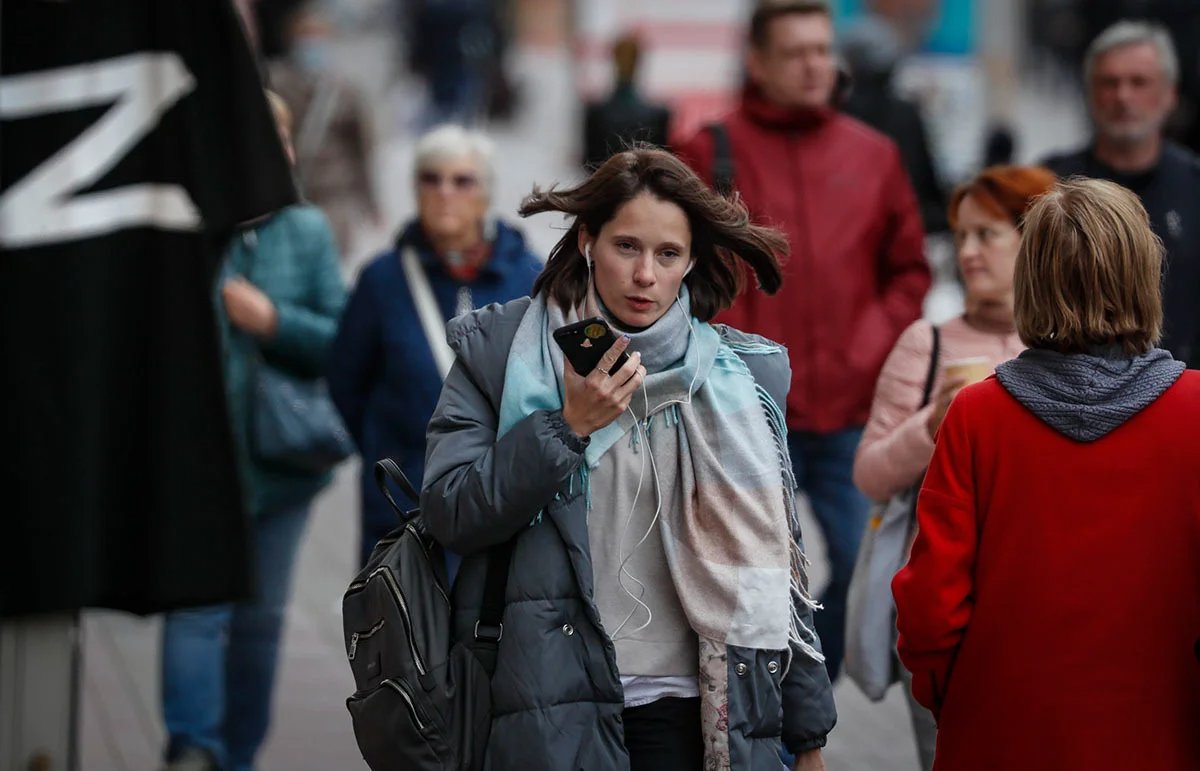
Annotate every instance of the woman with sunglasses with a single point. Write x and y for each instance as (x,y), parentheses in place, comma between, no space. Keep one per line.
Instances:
(387,362)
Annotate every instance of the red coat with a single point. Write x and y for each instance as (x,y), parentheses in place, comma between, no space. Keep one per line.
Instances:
(857,273)
(1050,611)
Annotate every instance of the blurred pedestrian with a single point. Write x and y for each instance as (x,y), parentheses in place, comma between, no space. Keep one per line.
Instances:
(645,627)
(985,217)
(271,23)
(1052,600)
(858,273)
(455,46)
(872,51)
(1131,71)
(625,116)
(333,137)
(279,298)
(388,360)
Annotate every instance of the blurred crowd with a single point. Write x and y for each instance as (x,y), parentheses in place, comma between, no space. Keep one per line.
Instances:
(1034,400)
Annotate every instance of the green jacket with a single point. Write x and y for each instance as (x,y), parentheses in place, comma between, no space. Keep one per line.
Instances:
(291,257)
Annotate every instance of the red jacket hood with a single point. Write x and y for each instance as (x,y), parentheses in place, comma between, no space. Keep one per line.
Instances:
(856,274)
(761,110)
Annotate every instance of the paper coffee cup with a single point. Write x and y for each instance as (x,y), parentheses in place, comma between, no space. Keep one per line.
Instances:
(971,370)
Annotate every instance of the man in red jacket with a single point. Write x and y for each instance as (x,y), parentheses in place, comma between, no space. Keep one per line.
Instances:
(857,273)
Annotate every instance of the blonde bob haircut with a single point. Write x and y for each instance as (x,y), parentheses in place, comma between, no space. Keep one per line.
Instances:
(1089,271)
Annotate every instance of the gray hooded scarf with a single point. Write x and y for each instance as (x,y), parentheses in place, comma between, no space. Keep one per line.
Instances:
(1086,396)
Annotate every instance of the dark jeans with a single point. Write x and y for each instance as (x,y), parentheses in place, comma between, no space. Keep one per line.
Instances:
(219,662)
(824,465)
(664,735)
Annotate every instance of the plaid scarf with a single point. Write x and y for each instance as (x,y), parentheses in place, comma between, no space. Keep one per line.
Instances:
(738,571)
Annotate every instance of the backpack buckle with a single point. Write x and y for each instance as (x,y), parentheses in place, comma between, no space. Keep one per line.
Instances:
(488,633)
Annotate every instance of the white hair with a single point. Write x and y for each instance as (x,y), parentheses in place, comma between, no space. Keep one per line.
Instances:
(1127,33)
(452,142)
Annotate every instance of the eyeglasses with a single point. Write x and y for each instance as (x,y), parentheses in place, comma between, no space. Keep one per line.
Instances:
(460,182)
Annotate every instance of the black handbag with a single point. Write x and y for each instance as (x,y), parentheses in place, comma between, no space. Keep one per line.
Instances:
(295,423)
(422,701)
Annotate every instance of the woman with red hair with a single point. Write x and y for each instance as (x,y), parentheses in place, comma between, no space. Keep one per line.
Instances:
(985,216)
(1050,608)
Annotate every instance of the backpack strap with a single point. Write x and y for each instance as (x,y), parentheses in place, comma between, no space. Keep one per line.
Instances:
(934,355)
(387,470)
(490,627)
(722,164)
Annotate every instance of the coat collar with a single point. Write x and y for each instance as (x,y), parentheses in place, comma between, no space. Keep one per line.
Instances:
(759,109)
(507,246)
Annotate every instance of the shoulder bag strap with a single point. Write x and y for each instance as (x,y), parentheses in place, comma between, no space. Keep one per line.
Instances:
(934,355)
(317,118)
(722,164)
(428,311)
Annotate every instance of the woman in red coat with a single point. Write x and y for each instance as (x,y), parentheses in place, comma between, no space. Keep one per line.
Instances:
(1050,611)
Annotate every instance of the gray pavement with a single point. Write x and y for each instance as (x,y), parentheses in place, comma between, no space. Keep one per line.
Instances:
(121,729)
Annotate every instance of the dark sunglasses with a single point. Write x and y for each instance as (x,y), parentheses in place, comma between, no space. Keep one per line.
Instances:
(460,182)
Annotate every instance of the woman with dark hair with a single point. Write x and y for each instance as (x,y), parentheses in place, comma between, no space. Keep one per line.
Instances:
(1050,611)
(656,614)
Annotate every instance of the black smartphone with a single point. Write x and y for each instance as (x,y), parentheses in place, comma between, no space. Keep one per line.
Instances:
(584,342)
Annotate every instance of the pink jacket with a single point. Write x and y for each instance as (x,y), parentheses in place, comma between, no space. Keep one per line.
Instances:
(896,446)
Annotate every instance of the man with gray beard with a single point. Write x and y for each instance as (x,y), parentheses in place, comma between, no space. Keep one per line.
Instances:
(1131,72)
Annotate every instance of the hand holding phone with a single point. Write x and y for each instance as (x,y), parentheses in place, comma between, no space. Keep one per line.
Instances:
(592,402)
(584,343)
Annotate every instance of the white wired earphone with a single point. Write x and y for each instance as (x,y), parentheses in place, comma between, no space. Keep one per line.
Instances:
(623,571)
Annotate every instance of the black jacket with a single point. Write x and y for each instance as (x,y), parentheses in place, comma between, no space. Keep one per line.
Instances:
(1169,193)
(609,126)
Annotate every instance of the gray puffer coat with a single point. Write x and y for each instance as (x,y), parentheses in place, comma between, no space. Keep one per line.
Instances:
(556,692)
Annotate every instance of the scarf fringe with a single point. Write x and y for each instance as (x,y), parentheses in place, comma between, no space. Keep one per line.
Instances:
(798,632)
(670,417)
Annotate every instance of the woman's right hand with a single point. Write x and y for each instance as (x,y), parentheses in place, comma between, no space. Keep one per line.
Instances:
(591,403)
(941,403)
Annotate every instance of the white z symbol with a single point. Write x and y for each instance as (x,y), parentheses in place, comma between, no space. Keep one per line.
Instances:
(41,207)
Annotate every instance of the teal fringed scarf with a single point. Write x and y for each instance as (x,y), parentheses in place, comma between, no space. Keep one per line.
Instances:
(733,559)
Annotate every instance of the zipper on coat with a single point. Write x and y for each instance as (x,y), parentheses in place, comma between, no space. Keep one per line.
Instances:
(354,638)
(399,688)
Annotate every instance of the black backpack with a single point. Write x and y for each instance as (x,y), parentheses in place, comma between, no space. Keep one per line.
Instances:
(422,701)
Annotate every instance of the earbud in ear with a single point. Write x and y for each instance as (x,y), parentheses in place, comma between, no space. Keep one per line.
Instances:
(691,264)
(587,254)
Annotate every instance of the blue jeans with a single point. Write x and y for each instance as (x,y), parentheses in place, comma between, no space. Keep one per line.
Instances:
(824,465)
(219,662)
